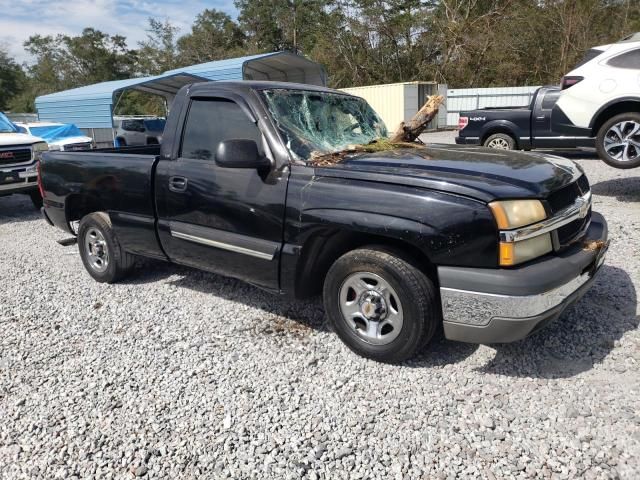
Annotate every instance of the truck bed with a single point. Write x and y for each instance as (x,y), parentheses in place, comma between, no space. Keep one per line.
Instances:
(116,180)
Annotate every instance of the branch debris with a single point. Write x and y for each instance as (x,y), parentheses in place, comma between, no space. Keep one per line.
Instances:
(405,137)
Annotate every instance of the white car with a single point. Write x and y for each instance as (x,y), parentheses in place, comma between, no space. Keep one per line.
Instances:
(59,136)
(601,98)
(19,155)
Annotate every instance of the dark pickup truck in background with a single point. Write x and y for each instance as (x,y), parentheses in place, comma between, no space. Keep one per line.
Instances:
(518,128)
(488,244)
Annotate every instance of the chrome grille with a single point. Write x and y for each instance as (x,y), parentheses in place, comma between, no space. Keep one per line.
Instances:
(563,198)
(570,231)
(15,156)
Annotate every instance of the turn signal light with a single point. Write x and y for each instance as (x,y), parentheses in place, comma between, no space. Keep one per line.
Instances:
(462,122)
(506,254)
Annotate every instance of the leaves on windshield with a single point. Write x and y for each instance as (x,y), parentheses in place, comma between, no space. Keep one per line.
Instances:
(381,145)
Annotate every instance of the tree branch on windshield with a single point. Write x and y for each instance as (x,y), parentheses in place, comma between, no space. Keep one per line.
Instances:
(405,136)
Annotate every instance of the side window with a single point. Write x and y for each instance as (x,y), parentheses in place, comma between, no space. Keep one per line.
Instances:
(630,60)
(550,100)
(210,122)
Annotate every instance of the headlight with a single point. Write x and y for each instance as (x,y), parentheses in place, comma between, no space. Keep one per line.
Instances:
(513,253)
(511,214)
(39,148)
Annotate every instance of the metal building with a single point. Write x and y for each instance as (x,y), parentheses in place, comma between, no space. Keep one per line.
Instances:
(91,107)
(398,102)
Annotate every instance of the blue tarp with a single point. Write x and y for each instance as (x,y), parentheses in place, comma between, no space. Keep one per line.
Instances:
(7,125)
(53,133)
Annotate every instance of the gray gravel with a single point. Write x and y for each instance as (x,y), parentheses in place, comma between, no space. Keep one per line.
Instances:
(178,374)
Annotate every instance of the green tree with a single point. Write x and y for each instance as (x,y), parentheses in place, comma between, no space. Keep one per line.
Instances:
(12,80)
(272,25)
(159,52)
(214,35)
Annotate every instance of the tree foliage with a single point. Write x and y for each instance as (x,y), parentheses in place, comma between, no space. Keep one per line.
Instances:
(463,43)
(12,80)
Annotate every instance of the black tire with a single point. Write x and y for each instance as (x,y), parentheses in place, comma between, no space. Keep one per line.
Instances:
(117,263)
(633,152)
(416,296)
(506,141)
(36,199)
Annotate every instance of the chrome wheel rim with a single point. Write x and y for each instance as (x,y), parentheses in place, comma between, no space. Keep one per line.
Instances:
(96,249)
(499,144)
(371,308)
(622,141)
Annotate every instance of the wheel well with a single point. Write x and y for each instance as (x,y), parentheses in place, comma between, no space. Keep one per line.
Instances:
(77,206)
(320,252)
(495,130)
(612,111)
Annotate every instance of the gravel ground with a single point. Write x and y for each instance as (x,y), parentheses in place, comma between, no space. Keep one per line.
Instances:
(181,374)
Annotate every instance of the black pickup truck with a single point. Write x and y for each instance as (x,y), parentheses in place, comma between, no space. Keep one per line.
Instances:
(399,242)
(518,128)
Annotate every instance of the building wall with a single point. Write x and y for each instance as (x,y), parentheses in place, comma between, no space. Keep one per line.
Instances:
(398,102)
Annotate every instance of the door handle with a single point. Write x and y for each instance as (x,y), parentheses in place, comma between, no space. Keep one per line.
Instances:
(541,118)
(178,184)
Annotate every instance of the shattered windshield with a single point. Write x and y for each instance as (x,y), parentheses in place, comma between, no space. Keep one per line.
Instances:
(317,123)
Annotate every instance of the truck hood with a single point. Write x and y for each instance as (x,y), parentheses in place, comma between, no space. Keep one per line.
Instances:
(12,139)
(482,173)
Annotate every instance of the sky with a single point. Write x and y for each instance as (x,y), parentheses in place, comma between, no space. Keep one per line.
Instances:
(19,19)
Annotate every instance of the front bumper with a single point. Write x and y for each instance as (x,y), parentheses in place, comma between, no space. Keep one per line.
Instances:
(18,178)
(505,305)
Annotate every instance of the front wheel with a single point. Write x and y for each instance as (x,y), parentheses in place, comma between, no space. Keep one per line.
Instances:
(618,141)
(100,250)
(381,306)
(500,141)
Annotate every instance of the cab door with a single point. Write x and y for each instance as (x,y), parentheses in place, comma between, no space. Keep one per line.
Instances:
(226,220)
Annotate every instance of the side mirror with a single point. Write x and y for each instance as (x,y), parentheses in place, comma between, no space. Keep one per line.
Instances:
(240,154)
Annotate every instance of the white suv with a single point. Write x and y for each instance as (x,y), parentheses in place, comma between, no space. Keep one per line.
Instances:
(601,98)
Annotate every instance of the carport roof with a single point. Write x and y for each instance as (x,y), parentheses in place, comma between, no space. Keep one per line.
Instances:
(165,84)
(91,106)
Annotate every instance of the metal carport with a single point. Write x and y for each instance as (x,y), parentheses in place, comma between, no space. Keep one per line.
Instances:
(91,107)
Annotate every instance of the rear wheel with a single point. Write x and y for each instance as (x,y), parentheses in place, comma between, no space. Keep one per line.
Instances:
(500,141)
(380,305)
(100,250)
(618,141)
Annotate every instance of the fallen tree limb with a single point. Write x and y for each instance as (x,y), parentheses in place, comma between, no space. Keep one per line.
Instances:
(408,132)
(405,136)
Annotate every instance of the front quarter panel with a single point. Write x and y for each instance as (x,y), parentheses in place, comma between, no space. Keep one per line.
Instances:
(449,229)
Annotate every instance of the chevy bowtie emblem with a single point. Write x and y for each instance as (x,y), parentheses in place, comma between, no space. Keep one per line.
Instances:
(6,155)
